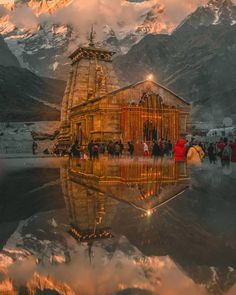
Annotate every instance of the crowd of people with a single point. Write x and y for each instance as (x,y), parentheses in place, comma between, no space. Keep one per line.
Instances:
(194,151)
(191,151)
(114,149)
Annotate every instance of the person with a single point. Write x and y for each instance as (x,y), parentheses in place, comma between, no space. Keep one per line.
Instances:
(165,147)
(180,151)
(34,147)
(131,148)
(233,150)
(46,151)
(195,154)
(189,144)
(117,149)
(56,150)
(169,148)
(110,148)
(156,152)
(121,147)
(90,149)
(226,155)
(75,150)
(220,146)
(102,149)
(95,150)
(145,150)
(211,153)
(161,146)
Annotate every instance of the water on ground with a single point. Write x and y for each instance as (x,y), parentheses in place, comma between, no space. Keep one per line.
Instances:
(117,226)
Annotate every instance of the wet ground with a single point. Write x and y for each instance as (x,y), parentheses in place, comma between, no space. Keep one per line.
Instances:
(128,226)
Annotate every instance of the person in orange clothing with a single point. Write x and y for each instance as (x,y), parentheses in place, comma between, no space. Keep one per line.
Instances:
(195,154)
(180,150)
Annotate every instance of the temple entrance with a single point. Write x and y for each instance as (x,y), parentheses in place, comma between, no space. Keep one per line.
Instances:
(150,130)
(144,121)
(149,119)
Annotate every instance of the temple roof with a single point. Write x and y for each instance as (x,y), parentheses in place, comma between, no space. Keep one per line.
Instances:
(133,86)
(91,52)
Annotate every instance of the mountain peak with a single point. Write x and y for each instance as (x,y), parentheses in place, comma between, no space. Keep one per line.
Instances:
(215,12)
(152,20)
(220,3)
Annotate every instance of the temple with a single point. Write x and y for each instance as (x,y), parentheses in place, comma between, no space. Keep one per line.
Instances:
(95,108)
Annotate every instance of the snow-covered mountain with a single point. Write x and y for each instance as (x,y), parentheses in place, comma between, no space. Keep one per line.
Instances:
(43,46)
(215,12)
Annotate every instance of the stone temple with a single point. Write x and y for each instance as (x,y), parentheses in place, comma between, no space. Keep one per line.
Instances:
(95,108)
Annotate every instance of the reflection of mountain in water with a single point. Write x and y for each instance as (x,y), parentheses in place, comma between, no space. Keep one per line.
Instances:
(152,231)
(93,190)
(197,231)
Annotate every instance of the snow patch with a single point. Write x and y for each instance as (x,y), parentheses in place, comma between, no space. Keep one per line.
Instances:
(55,65)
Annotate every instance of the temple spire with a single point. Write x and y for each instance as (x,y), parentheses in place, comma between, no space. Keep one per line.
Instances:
(92,37)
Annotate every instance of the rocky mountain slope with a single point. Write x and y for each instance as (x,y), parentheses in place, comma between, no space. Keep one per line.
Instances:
(197,61)
(6,56)
(25,96)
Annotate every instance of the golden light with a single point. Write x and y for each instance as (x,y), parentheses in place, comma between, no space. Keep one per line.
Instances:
(149,212)
(150,77)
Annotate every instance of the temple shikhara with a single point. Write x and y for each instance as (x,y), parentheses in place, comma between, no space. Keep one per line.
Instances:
(95,108)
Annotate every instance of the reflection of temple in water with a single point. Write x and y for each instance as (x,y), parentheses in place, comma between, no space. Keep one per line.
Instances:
(93,189)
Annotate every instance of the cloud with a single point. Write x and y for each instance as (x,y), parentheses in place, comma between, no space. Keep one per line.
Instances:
(23,17)
(81,14)
(153,274)
(3,11)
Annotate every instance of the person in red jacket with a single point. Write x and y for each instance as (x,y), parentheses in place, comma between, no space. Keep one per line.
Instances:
(180,150)
(220,146)
(233,148)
